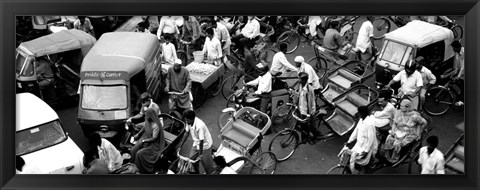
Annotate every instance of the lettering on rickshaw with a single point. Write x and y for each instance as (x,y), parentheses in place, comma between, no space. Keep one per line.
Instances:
(104,75)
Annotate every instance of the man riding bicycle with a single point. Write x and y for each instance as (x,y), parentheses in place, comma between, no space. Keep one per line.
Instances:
(178,80)
(264,87)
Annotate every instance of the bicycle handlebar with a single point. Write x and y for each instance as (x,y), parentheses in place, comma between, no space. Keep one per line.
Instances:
(175,93)
(186,158)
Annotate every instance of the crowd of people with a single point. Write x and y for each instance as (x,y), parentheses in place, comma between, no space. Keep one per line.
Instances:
(377,134)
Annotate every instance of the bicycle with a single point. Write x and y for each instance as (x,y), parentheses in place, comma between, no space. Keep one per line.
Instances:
(439,98)
(286,141)
(184,51)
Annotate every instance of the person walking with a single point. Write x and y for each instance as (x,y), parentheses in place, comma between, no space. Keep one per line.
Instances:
(202,141)
(430,158)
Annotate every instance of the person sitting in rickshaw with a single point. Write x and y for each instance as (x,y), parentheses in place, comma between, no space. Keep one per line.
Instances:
(249,34)
(333,40)
(363,140)
(384,117)
(264,86)
(178,80)
(45,78)
(411,83)
(147,102)
(407,127)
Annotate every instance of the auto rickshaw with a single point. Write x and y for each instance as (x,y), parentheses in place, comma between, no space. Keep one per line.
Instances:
(120,67)
(64,51)
(417,38)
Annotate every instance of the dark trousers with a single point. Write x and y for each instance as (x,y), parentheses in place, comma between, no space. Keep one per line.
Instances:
(207,160)
(265,99)
(460,83)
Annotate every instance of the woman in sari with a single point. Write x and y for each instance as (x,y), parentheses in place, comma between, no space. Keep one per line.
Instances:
(148,149)
(407,127)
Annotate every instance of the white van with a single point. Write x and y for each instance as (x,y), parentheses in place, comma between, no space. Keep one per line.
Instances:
(41,141)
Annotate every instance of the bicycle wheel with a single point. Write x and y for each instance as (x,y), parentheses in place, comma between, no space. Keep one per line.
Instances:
(267,163)
(339,170)
(381,26)
(282,117)
(291,39)
(230,84)
(457,32)
(199,96)
(223,119)
(437,100)
(216,86)
(319,65)
(413,166)
(284,144)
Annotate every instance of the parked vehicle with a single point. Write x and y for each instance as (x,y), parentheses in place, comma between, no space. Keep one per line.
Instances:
(65,51)
(417,38)
(119,67)
(41,140)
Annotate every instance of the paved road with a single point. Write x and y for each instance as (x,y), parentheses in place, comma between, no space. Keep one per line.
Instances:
(308,159)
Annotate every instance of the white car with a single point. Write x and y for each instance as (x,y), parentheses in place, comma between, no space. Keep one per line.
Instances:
(41,141)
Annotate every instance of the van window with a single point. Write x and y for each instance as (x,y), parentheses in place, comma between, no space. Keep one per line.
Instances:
(395,53)
(104,97)
(24,65)
(39,137)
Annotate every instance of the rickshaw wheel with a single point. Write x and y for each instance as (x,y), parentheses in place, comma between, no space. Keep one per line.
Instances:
(267,163)
(339,170)
(284,144)
(223,119)
(291,39)
(437,101)
(319,65)
(217,86)
(381,26)
(281,118)
(229,85)
(413,166)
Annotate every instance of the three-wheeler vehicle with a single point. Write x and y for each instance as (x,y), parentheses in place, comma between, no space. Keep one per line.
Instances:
(120,67)
(64,51)
(417,38)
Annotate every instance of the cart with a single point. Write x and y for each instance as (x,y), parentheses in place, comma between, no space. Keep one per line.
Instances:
(342,78)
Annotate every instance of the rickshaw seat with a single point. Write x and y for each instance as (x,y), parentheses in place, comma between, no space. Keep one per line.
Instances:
(459,152)
(169,137)
(458,161)
(280,92)
(351,103)
(344,78)
(241,133)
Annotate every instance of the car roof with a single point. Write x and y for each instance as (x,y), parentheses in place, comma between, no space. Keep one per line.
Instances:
(120,51)
(32,111)
(421,34)
(61,41)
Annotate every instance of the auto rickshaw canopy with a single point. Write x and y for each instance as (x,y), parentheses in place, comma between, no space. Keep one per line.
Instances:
(121,51)
(65,40)
(420,34)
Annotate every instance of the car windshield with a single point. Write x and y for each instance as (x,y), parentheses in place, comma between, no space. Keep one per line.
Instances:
(24,66)
(396,53)
(39,137)
(104,97)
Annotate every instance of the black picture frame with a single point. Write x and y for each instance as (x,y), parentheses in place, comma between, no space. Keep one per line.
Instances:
(9,9)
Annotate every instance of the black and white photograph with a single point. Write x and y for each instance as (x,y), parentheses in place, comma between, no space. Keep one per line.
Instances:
(166,95)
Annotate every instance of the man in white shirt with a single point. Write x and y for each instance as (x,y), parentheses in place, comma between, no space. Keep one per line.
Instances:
(202,141)
(430,158)
(169,52)
(428,79)
(458,71)
(249,34)
(385,116)
(313,22)
(312,75)
(212,47)
(364,42)
(168,27)
(222,34)
(280,62)
(264,83)
(411,83)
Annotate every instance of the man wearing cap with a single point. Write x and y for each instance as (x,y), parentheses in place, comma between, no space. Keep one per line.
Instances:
(280,62)
(178,80)
(312,75)
(264,83)
(147,102)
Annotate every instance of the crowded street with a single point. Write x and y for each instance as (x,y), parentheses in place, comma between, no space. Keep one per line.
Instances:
(343,75)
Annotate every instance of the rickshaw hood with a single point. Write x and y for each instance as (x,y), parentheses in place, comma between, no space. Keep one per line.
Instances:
(421,34)
(62,41)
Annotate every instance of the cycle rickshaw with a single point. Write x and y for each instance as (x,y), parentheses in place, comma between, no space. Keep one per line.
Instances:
(338,123)
(240,146)
(408,155)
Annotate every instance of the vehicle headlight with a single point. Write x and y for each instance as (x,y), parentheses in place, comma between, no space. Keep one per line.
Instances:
(19,85)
